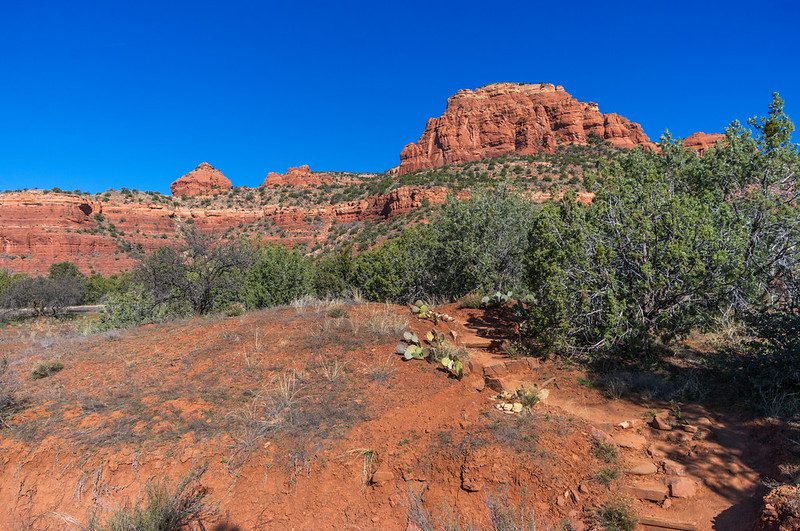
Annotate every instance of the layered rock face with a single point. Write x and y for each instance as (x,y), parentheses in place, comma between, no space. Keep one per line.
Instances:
(511,118)
(205,179)
(299,176)
(38,229)
(701,141)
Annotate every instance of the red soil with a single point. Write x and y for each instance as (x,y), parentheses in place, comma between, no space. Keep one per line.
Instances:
(157,401)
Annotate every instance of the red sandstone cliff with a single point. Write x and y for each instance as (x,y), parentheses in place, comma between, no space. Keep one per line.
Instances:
(702,141)
(205,179)
(507,117)
(39,228)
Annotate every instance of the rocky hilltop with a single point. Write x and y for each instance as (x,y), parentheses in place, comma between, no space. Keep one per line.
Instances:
(205,179)
(701,141)
(506,118)
(302,176)
(103,232)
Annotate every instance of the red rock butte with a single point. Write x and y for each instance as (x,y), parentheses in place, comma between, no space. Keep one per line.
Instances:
(297,176)
(205,179)
(701,141)
(504,118)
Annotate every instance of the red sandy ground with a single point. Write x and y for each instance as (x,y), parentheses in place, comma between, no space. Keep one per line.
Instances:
(160,400)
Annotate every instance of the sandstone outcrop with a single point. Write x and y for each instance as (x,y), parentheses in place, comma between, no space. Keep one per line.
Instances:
(205,179)
(39,228)
(297,176)
(507,118)
(701,141)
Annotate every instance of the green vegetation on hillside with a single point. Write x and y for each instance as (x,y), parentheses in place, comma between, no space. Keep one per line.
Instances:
(672,243)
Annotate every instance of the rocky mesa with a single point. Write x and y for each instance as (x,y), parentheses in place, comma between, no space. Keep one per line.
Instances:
(205,179)
(506,118)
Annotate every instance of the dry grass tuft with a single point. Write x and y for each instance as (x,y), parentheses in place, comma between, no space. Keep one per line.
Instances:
(384,322)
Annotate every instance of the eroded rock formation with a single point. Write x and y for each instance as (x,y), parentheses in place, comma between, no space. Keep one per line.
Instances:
(39,228)
(205,179)
(701,141)
(297,176)
(506,118)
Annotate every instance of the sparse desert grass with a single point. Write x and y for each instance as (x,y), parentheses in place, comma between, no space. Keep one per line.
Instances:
(46,368)
(310,303)
(339,335)
(163,508)
(332,368)
(417,513)
(519,432)
(471,300)
(446,349)
(8,400)
(303,410)
(506,516)
(382,372)
(605,452)
(338,312)
(615,517)
(368,457)
(384,322)
(607,475)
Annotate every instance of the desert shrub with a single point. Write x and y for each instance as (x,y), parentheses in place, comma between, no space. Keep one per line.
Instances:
(201,273)
(277,276)
(506,516)
(396,270)
(606,452)
(615,517)
(46,368)
(474,245)
(235,309)
(137,306)
(333,273)
(163,509)
(671,242)
(480,244)
(94,287)
(7,279)
(607,475)
(472,300)
(64,270)
(642,262)
(44,295)
(98,287)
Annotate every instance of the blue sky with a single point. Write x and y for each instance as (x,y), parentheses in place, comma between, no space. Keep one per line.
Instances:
(110,93)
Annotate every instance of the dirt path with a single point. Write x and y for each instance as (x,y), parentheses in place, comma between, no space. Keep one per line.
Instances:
(395,439)
(711,458)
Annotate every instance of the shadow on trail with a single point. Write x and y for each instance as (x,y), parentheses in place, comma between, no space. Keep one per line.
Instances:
(739,395)
(496,325)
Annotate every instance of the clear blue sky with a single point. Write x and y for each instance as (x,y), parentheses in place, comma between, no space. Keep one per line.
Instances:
(110,93)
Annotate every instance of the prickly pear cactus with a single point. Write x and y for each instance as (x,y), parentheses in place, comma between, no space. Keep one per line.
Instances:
(410,338)
(498,299)
(453,366)
(421,310)
(414,352)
